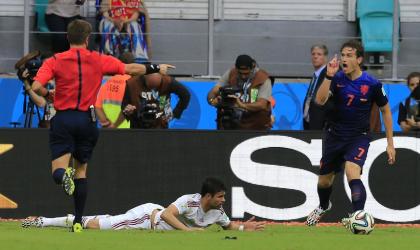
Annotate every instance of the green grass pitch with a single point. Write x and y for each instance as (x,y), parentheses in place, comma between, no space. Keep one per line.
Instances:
(12,236)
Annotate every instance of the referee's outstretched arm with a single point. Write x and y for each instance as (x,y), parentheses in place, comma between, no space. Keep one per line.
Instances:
(141,69)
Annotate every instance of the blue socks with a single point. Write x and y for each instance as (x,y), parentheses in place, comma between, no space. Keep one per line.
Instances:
(80,195)
(58,175)
(324,196)
(358,194)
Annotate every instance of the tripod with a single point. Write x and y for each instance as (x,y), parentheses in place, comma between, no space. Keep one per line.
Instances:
(28,110)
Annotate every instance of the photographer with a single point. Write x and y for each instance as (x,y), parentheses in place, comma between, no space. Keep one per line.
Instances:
(408,116)
(28,67)
(147,101)
(242,97)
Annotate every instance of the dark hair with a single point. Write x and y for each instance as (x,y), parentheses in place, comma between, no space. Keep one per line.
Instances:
(212,186)
(416,94)
(320,46)
(412,75)
(78,31)
(244,61)
(127,57)
(354,44)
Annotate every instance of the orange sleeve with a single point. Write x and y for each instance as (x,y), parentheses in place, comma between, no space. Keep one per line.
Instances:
(46,72)
(111,65)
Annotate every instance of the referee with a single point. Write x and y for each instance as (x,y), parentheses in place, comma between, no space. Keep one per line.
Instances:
(78,75)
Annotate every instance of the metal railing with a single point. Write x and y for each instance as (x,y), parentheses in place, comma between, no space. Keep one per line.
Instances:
(216,12)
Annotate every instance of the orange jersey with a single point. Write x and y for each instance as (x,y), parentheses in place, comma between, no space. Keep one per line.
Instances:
(112,91)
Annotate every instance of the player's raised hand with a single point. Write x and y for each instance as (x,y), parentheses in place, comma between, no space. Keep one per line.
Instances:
(333,66)
(252,225)
(165,67)
(390,150)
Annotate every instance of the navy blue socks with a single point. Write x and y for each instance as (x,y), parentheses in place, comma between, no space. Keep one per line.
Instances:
(58,175)
(80,195)
(358,194)
(324,196)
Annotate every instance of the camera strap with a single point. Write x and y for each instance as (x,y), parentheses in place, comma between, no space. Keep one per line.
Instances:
(245,86)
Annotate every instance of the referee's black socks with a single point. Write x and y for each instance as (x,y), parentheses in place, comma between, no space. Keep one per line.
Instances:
(80,195)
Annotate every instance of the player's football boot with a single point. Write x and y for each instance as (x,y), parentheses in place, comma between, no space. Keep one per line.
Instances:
(27,222)
(316,215)
(68,183)
(33,222)
(77,228)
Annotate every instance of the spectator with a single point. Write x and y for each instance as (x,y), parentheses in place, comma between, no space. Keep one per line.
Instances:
(242,97)
(147,100)
(110,96)
(125,27)
(58,15)
(406,118)
(314,115)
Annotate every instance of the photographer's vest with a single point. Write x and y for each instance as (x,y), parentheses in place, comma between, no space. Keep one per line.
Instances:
(137,88)
(258,120)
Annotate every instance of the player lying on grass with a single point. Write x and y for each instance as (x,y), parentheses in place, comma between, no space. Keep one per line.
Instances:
(189,212)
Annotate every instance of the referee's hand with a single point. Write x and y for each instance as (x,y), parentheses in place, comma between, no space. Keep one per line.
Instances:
(165,67)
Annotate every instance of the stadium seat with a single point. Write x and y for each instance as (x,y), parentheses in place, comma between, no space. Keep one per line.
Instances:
(376,24)
(40,6)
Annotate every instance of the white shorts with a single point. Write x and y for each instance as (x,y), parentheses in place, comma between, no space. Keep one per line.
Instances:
(135,218)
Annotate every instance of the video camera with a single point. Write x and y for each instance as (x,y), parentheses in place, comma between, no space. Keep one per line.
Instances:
(225,93)
(30,62)
(228,115)
(148,114)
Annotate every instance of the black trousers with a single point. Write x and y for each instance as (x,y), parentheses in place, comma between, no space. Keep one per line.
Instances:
(59,24)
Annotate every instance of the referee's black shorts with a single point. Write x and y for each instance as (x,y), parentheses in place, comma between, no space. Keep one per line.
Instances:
(73,132)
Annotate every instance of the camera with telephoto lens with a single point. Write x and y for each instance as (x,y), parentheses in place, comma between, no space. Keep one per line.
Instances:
(33,66)
(148,114)
(228,115)
(30,62)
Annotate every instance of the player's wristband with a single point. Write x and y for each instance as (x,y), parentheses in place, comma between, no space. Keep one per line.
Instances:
(152,68)
(241,227)
(328,77)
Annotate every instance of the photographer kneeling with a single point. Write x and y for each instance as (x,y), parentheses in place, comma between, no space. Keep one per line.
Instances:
(147,101)
(242,97)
